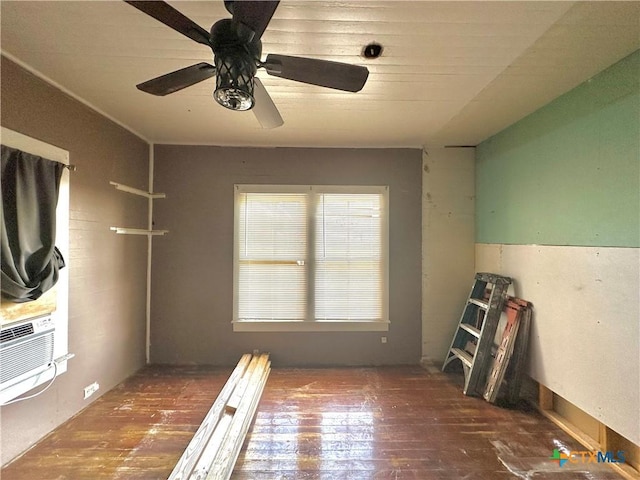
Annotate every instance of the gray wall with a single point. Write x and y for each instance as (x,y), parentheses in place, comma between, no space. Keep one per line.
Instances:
(192,277)
(107,271)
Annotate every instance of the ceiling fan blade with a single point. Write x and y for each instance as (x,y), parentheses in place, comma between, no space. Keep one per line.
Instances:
(264,109)
(165,13)
(341,76)
(174,81)
(255,15)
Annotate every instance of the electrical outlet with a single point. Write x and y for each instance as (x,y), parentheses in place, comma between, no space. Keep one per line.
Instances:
(383,339)
(91,389)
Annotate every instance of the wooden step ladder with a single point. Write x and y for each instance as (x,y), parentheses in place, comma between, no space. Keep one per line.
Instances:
(473,339)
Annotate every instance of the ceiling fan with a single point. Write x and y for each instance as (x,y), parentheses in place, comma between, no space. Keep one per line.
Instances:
(237,50)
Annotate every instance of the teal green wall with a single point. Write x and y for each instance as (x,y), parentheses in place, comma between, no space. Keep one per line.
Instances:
(569,173)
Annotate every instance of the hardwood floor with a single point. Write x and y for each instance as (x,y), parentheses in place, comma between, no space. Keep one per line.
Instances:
(401,423)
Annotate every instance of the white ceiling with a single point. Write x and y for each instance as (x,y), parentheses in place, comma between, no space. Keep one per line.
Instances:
(452,72)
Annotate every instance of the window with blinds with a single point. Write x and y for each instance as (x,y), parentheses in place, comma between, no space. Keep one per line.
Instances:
(311,255)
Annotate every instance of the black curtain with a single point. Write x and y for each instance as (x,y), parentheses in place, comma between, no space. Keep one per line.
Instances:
(30,260)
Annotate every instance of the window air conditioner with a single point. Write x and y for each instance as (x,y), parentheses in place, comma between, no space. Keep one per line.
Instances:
(26,350)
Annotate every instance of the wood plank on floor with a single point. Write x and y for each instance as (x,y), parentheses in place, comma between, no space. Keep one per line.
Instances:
(312,424)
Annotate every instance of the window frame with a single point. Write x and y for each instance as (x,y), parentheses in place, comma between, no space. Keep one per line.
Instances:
(310,324)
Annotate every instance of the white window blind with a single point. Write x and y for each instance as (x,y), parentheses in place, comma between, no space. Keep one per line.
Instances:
(272,235)
(348,275)
(309,254)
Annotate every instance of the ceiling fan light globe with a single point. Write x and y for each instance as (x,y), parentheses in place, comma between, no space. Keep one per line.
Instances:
(234,98)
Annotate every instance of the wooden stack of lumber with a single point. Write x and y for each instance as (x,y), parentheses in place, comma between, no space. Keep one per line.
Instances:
(214,449)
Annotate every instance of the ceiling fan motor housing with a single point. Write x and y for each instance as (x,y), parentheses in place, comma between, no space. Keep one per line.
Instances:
(235,62)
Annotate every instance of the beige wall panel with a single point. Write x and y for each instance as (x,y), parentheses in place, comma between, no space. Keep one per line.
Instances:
(585,335)
(447,245)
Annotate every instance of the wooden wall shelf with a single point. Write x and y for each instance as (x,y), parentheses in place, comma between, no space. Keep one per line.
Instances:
(137,191)
(142,193)
(137,231)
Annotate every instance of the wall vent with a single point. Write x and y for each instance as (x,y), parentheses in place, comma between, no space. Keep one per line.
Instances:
(13,333)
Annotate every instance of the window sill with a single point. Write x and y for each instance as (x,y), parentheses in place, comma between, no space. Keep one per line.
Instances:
(317,326)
